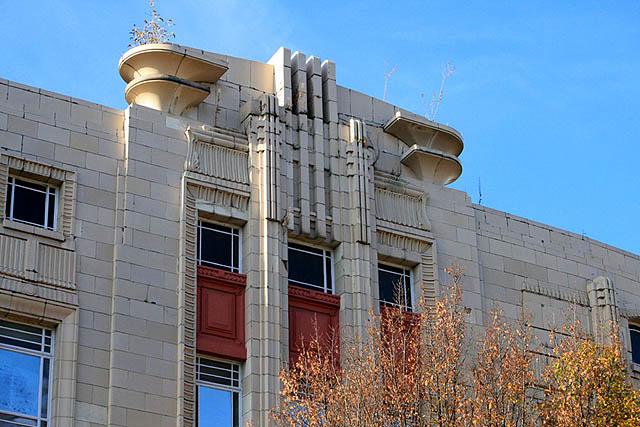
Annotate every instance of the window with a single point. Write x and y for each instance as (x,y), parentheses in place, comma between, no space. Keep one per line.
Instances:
(218,393)
(310,267)
(219,246)
(634,331)
(31,203)
(25,374)
(395,286)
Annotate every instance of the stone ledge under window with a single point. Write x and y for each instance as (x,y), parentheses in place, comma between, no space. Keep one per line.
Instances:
(32,229)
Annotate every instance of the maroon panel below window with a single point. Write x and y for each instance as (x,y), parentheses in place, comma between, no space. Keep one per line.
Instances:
(220,314)
(311,311)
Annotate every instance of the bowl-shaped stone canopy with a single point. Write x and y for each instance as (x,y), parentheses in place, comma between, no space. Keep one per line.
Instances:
(169,77)
(432,148)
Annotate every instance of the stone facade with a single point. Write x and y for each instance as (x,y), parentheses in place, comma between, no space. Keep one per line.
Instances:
(284,154)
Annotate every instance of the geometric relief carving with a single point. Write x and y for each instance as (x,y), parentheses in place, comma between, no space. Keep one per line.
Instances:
(268,140)
(402,209)
(56,266)
(429,279)
(12,255)
(357,163)
(402,242)
(219,197)
(214,155)
(187,311)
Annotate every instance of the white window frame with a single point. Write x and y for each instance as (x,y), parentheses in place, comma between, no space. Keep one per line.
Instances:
(406,272)
(233,389)
(234,232)
(328,279)
(46,352)
(11,183)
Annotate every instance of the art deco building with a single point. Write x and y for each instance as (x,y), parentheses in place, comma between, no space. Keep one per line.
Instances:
(161,264)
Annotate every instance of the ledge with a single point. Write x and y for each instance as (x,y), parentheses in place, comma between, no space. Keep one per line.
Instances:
(416,130)
(433,165)
(168,77)
(32,229)
(172,59)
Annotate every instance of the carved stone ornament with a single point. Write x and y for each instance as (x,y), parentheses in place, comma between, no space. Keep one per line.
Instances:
(217,154)
(402,209)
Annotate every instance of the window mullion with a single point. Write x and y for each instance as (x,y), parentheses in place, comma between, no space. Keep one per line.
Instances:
(13,197)
(46,209)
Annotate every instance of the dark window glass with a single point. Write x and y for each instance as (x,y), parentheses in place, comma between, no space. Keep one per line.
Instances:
(51,212)
(395,286)
(219,246)
(310,268)
(31,203)
(635,343)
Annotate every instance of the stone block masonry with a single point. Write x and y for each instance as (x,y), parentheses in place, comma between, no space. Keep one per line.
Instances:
(280,156)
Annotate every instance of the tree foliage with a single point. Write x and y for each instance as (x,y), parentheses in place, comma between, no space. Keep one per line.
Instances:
(587,382)
(417,369)
(155,29)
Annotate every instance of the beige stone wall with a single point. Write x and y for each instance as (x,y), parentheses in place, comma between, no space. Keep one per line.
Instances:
(310,162)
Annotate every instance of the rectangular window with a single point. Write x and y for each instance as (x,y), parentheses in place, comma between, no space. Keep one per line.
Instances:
(395,286)
(219,246)
(25,374)
(31,203)
(310,267)
(218,398)
(634,331)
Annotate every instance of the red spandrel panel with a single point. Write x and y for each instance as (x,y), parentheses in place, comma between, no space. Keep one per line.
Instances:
(220,316)
(312,312)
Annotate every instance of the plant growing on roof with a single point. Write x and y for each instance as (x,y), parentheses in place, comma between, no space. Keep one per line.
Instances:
(155,29)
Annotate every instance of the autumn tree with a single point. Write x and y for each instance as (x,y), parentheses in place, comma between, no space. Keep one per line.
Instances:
(588,383)
(417,369)
(503,378)
(407,371)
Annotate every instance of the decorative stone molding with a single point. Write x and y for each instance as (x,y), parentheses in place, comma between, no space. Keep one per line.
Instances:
(358,164)
(187,310)
(429,276)
(36,299)
(52,265)
(402,209)
(56,266)
(262,120)
(604,311)
(221,202)
(217,154)
(578,298)
(12,253)
(630,313)
(402,242)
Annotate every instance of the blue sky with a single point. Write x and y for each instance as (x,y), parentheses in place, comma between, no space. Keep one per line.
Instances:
(546,94)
